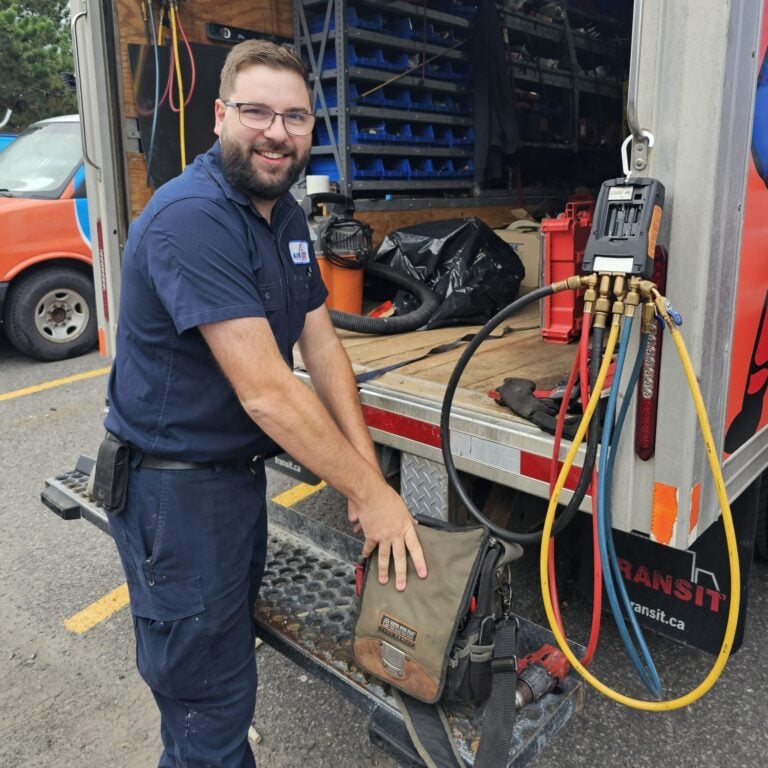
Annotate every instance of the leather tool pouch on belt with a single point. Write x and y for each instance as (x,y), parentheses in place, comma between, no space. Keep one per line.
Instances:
(437,642)
(110,475)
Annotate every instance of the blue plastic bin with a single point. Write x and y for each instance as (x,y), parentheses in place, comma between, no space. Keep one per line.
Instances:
(424,133)
(374,21)
(357,56)
(400,133)
(398,98)
(442,102)
(321,131)
(324,166)
(422,168)
(367,168)
(396,167)
(396,62)
(367,130)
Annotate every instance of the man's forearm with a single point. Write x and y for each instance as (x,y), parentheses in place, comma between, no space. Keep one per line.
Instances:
(335,384)
(332,377)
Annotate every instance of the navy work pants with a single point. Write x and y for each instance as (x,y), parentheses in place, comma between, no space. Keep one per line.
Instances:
(193,545)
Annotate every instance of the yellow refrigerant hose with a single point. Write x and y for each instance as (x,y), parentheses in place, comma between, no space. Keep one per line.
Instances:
(180,87)
(730,533)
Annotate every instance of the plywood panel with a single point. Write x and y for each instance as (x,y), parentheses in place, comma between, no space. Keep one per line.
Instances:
(521,353)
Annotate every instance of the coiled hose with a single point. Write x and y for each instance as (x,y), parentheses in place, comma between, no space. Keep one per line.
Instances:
(429,301)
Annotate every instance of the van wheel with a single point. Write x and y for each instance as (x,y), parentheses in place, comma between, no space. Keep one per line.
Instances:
(51,314)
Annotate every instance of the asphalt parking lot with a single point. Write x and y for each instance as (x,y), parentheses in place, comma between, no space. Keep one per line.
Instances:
(73,698)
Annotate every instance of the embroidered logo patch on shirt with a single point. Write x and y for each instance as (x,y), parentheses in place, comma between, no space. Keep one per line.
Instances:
(299,251)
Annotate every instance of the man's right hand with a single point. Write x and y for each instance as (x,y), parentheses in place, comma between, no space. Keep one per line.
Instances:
(388,524)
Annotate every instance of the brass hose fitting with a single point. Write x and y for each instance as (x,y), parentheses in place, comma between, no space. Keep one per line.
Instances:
(590,295)
(603,304)
(572,283)
(619,292)
(647,288)
(633,297)
(649,313)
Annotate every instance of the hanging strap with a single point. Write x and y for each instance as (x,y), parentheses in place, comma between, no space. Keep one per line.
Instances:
(496,742)
(361,378)
(430,731)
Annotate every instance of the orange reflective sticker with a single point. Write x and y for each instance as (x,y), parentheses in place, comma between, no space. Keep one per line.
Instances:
(664,512)
(653,230)
(695,502)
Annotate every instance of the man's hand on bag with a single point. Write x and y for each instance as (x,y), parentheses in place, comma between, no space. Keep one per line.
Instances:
(389,525)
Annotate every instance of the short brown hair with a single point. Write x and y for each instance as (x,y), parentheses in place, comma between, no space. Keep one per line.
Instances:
(258,52)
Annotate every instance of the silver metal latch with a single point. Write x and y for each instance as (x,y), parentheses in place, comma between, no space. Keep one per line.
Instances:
(393,659)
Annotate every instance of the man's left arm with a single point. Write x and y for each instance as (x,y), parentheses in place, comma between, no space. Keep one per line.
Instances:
(333,379)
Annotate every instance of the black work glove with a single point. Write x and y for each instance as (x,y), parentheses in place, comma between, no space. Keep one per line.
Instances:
(517,394)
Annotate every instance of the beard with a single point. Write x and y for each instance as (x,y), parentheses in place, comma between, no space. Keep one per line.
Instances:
(238,168)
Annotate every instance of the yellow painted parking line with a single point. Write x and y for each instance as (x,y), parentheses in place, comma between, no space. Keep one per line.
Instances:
(97,612)
(53,384)
(296,494)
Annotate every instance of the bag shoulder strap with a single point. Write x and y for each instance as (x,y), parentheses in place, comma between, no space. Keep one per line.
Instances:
(496,742)
(430,731)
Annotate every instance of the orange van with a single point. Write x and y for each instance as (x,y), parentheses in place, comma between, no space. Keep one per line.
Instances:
(46,284)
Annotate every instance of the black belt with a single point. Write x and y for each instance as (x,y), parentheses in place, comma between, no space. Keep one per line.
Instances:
(148,461)
(160,462)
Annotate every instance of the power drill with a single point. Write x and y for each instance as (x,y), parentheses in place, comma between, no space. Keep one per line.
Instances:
(538,673)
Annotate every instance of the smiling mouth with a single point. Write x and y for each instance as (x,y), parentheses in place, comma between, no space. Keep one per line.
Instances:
(270,155)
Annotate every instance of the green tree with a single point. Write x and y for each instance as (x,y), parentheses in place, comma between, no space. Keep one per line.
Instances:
(35,61)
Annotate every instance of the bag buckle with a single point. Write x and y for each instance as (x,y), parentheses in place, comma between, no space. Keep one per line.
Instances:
(393,659)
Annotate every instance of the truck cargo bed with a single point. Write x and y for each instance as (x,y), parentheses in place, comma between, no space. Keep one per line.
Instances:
(306,610)
(520,353)
(402,406)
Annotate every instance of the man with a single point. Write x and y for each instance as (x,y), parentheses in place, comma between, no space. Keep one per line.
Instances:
(219,282)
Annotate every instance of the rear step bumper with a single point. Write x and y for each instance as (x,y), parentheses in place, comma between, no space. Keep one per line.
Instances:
(306,610)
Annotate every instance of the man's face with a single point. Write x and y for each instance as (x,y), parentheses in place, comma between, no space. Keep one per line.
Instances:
(264,163)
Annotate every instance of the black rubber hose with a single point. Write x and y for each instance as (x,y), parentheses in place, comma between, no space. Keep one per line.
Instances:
(445,417)
(592,439)
(429,301)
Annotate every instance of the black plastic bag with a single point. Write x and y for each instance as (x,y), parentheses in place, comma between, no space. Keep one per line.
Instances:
(464,261)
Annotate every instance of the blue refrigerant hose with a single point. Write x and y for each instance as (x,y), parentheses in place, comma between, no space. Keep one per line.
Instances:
(157,95)
(612,578)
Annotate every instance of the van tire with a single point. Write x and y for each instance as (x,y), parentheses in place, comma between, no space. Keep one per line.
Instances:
(50,314)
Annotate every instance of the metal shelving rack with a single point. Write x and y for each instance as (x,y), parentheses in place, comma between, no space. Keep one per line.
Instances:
(339,154)
(325,39)
(579,47)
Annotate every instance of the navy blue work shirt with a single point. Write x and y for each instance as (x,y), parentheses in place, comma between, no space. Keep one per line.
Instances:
(198,254)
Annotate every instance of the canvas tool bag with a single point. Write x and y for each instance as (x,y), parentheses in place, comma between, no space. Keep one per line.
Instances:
(446,640)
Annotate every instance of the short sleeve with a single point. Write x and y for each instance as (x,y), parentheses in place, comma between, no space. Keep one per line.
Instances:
(200,264)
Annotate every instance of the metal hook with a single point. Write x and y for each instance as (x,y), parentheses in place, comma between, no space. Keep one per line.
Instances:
(625,153)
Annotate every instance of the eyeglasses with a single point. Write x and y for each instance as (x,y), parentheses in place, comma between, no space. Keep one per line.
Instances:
(260,118)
